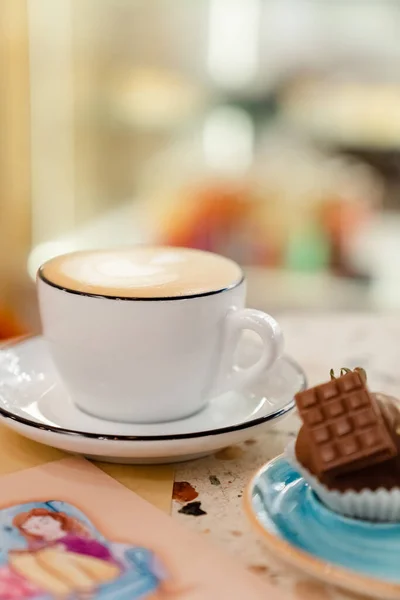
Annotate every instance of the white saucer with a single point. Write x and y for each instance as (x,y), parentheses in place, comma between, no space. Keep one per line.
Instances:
(35,403)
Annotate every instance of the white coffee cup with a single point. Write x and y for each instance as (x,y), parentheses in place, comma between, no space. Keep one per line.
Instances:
(150,360)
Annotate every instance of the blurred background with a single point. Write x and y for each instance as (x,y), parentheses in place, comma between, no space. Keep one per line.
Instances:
(266,130)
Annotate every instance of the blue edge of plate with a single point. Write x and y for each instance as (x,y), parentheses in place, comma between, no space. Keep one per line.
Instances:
(285,505)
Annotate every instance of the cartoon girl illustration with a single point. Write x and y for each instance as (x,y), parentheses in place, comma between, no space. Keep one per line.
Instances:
(64,560)
(42,527)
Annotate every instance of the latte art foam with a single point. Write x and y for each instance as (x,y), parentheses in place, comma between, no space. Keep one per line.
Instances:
(142,272)
(116,271)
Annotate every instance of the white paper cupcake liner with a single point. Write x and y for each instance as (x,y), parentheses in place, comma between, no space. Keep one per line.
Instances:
(379,505)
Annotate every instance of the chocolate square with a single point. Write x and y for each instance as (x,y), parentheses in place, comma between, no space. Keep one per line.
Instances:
(349,382)
(328,453)
(321,434)
(364,418)
(343,426)
(348,446)
(314,416)
(327,391)
(357,399)
(307,399)
(334,409)
(370,437)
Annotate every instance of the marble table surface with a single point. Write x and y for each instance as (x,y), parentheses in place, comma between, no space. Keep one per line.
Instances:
(318,342)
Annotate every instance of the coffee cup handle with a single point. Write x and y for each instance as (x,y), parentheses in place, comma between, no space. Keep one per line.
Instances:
(237,321)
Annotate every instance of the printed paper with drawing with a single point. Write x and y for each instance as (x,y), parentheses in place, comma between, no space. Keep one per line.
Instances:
(69,531)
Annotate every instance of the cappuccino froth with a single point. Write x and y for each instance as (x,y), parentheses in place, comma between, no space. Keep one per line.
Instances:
(142,272)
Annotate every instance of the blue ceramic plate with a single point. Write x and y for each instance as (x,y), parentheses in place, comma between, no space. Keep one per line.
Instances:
(354,554)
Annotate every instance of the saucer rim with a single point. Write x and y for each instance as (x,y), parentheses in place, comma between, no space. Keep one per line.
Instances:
(323,570)
(107,437)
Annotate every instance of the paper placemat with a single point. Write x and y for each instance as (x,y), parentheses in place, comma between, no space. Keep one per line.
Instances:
(153,483)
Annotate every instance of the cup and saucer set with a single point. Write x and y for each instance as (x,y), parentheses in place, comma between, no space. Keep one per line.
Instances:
(147,356)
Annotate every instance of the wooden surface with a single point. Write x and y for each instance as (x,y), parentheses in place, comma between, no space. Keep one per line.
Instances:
(154,484)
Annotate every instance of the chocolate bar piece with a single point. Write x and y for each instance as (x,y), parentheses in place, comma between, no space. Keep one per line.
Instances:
(345,428)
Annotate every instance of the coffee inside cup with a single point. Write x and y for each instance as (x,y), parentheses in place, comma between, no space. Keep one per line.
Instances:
(142,272)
